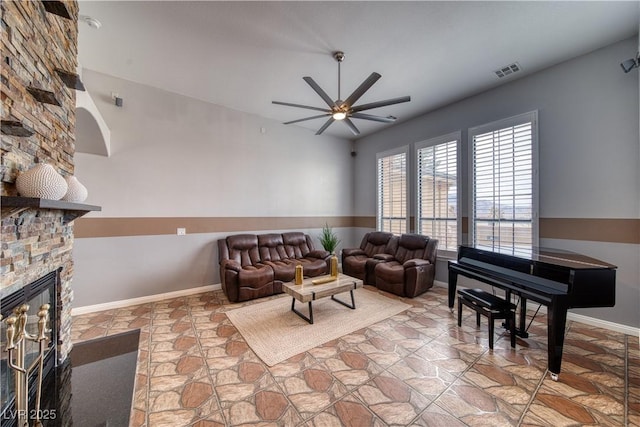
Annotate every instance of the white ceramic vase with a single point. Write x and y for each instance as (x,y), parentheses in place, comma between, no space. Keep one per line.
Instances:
(41,181)
(76,192)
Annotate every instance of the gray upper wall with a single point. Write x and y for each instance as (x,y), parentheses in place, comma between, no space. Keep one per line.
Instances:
(589,153)
(172,155)
(588,135)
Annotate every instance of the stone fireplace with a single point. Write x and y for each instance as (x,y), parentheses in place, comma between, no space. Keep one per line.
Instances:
(38,86)
(36,241)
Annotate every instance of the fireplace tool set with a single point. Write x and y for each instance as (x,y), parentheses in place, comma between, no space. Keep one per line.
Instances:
(17,337)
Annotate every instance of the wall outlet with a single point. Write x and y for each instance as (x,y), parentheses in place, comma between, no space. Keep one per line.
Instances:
(181,231)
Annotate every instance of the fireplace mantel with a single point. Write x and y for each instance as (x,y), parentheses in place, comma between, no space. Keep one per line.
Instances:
(13,205)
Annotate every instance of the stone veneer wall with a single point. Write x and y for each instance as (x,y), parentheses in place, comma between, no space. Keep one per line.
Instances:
(35,242)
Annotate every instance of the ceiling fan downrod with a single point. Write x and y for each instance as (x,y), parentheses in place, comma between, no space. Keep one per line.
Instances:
(338,56)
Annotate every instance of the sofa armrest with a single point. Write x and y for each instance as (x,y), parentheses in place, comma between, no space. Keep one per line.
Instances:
(384,257)
(415,263)
(318,253)
(352,251)
(229,264)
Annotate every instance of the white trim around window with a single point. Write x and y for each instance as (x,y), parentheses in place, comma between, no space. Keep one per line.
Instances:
(503,163)
(439,190)
(392,190)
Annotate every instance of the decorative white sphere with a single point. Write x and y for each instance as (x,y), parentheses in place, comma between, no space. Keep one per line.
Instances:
(76,192)
(41,181)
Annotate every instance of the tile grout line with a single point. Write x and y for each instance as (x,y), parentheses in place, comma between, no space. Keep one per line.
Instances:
(322,410)
(533,397)
(208,367)
(626,381)
(443,332)
(349,392)
(206,363)
(147,405)
(352,393)
(459,376)
(384,370)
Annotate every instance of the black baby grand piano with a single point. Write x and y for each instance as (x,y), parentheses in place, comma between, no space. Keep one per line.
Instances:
(558,279)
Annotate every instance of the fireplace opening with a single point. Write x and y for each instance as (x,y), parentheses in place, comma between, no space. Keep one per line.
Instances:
(35,296)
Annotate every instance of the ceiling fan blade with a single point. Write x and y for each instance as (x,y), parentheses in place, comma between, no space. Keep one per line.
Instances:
(388,119)
(326,125)
(319,91)
(301,106)
(364,86)
(307,118)
(351,126)
(381,103)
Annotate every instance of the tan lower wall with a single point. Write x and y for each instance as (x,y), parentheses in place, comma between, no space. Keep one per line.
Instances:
(589,229)
(593,229)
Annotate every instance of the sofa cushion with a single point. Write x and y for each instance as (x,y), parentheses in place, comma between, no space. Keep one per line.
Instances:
(411,246)
(354,265)
(296,244)
(390,272)
(283,270)
(271,247)
(255,276)
(413,241)
(313,267)
(243,248)
(375,242)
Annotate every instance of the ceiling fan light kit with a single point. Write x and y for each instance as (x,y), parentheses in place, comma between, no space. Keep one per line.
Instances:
(344,111)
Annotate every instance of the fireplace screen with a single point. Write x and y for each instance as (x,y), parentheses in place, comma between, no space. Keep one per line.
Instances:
(37,295)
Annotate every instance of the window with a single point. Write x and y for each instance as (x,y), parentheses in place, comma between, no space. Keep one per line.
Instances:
(392,191)
(437,190)
(504,185)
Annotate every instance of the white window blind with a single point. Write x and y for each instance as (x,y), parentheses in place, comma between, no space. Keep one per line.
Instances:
(437,190)
(504,189)
(392,192)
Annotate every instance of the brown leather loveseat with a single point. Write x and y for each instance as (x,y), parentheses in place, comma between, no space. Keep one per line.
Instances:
(405,265)
(254,266)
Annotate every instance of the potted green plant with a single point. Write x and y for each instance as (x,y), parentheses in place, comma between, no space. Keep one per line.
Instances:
(328,239)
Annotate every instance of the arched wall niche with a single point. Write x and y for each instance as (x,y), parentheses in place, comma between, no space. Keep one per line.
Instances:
(92,133)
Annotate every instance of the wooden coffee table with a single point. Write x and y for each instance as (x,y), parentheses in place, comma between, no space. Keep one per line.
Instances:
(308,292)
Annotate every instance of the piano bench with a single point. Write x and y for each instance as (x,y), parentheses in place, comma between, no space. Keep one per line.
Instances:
(489,305)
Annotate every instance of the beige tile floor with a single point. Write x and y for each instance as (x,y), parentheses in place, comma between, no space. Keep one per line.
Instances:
(416,368)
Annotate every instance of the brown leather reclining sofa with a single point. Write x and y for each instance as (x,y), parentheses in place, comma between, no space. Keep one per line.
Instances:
(404,265)
(254,266)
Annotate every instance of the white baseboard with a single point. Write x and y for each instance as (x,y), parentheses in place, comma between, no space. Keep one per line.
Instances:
(441,284)
(605,324)
(143,300)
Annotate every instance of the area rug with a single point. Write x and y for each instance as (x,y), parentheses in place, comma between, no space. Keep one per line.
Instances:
(275,333)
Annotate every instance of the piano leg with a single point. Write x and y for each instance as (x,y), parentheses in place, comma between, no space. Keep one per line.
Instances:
(521,330)
(453,282)
(556,323)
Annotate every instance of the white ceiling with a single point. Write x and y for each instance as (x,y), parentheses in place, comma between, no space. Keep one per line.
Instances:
(243,55)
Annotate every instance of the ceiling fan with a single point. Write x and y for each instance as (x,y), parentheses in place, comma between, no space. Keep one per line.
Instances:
(346,110)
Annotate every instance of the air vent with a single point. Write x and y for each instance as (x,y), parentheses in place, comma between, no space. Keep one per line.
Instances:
(507,70)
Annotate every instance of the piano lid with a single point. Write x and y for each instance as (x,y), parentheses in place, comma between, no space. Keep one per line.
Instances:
(553,256)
